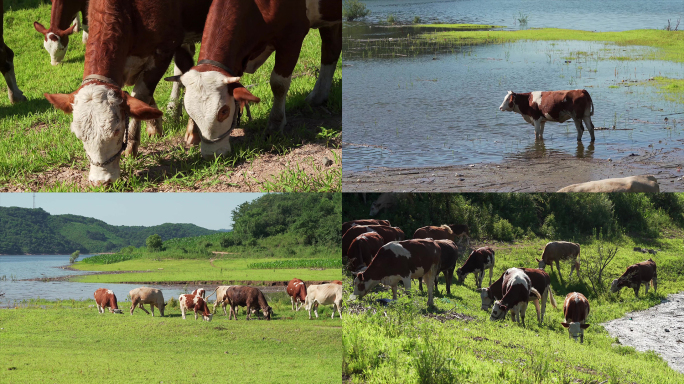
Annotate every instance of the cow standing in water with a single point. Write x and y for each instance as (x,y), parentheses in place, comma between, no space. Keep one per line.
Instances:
(56,38)
(539,107)
(7,66)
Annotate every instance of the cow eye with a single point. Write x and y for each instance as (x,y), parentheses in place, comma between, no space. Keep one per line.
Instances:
(223,113)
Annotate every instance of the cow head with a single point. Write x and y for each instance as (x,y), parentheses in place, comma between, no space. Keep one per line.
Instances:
(460,275)
(55,41)
(268,311)
(614,286)
(541,264)
(207,317)
(499,311)
(485,295)
(508,103)
(375,208)
(100,122)
(212,100)
(362,286)
(576,330)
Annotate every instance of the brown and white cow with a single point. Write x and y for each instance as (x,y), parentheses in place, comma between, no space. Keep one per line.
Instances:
(636,275)
(540,281)
(633,184)
(362,250)
(146,295)
(324,294)
(56,38)
(388,234)
(478,261)
(517,289)
(443,232)
(354,223)
(199,292)
(575,312)
(447,264)
(239,38)
(106,298)
(7,65)
(400,261)
(560,250)
(196,304)
(539,107)
(296,289)
(249,297)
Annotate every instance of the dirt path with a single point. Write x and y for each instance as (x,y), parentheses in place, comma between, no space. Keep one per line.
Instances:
(659,328)
(546,174)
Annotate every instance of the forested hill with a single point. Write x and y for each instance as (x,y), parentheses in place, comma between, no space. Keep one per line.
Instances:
(34,231)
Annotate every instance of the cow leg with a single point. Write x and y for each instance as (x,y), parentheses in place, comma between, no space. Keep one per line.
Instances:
(339,308)
(479,276)
(407,286)
(646,287)
(540,315)
(152,309)
(579,127)
(195,314)
(491,271)
(394,291)
(142,306)
(292,300)
(285,61)
(655,283)
(7,69)
(183,313)
(173,107)
(636,290)
(331,46)
(537,130)
(449,275)
(183,60)
(223,305)
(541,129)
(572,268)
(559,270)
(522,310)
(420,284)
(437,278)
(315,305)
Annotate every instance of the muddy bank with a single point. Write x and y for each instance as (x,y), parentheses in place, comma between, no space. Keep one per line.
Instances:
(659,328)
(544,174)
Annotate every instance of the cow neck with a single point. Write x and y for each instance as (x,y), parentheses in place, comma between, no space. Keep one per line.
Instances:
(524,102)
(62,14)
(108,43)
(514,296)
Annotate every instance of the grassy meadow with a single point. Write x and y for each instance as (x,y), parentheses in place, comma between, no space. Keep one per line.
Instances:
(405,343)
(38,152)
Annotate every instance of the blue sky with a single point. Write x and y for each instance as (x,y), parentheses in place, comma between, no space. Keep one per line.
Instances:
(208,210)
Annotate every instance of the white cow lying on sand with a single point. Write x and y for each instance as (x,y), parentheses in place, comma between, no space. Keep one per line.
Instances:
(324,294)
(646,183)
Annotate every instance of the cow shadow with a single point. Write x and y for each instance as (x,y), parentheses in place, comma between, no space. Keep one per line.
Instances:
(23,109)
(583,153)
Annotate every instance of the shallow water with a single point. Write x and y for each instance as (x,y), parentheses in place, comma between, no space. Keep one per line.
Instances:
(606,15)
(431,110)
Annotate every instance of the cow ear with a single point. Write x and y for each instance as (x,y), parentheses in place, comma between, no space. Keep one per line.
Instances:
(61,101)
(66,32)
(140,110)
(585,326)
(175,79)
(39,27)
(503,307)
(565,325)
(242,95)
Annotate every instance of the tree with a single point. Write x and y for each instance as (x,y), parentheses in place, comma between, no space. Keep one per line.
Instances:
(154,243)
(74,256)
(595,266)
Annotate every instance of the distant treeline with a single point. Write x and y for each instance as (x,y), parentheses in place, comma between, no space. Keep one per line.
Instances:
(510,216)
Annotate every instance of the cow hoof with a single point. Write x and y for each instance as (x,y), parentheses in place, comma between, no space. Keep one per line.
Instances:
(316,100)
(17,98)
(277,126)
(154,128)
(131,149)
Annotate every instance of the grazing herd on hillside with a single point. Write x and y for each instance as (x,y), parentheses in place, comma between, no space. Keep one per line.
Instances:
(377,253)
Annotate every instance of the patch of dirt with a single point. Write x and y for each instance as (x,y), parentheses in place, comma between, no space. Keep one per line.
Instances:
(659,329)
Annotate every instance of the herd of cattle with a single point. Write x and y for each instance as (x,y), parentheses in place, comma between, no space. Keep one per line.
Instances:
(377,253)
(233,296)
(133,42)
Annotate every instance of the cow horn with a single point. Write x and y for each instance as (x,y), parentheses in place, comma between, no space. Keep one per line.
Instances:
(174,79)
(230,80)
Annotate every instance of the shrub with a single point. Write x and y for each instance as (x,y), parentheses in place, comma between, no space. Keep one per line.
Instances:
(503,230)
(154,243)
(228,241)
(74,256)
(354,9)
(391,19)
(416,20)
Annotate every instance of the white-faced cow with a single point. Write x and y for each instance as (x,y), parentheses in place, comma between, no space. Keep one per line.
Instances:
(634,184)
(363,249)
(146,295)
(196,304)
(540,281)
(560,250)
(239,37)
(517,289)
(56,38)
(400,261)
(7,66)
(249,297)
(106,298)
(539,107)
(636,275)
(575,312)
(296,289)
(199,292)
(324,294)
(479,260)
(353,223)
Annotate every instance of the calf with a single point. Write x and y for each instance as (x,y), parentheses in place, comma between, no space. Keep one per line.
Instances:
(362,250)
(400,261)
(199,292)
(324,294)
(560,250)
(195,303)
(539,107)
(56,38)
(106,298)
(517,289)
(249,297)
(388,234)
(646,183)
(354,223)
(145,295)
(296,289)
(7,66)
(575,312)
(478,261)
(635,275)
(540,281)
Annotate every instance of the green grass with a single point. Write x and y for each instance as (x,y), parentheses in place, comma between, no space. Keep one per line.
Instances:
(456,27)
(404,346)
(670,89)
(308,263)
(69,342)
(36,143)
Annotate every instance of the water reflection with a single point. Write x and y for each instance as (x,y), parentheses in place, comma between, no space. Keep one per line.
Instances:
(584,154)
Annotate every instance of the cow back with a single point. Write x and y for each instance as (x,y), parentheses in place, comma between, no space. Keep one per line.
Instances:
(353,223)
(352,234)
(403,258)
(575,307)
(363,249)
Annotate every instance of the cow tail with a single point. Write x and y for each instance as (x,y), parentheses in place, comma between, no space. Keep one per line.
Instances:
(536,293)
(207,298)
(553,301)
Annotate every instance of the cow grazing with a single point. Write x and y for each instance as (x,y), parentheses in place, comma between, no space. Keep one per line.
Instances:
(540,281)
(443,232)
(249,297)
(106,298)
(145,295)
(560,250)
(478,261)
(645,183)
(539,107)
(388,234)
(447,264)
(199,292)
(517,289)
(56,38)
(296,289)
(384,201)
(324,294)
(400,261)
(635,275)
(575,312)
(241,43)
(353,223)
(362,250)
(195,303)
(7,66)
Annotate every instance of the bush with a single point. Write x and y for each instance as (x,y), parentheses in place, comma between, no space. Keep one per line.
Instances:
(416,20)
(74,256)
(154,243)
(503,230)
(391,19)
(354,9)
(229,241)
